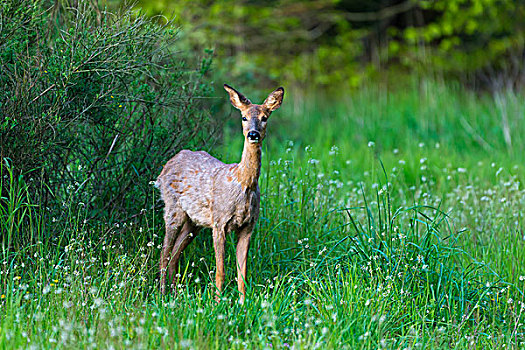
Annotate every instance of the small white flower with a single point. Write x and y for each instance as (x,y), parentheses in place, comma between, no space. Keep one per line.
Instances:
(334,150)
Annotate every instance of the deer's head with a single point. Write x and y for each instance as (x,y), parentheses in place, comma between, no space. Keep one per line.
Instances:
(254,117)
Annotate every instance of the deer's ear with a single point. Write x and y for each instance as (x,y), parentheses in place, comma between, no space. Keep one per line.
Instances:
(238,100)
(274,100)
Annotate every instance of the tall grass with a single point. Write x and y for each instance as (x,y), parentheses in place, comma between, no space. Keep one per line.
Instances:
(357,246)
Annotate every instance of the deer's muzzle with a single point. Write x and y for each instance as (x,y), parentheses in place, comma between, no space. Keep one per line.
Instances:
(254,136)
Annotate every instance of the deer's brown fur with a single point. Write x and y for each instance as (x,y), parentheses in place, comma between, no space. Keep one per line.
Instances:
(200,191)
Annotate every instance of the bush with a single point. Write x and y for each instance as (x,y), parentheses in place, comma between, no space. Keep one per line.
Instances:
(94,102)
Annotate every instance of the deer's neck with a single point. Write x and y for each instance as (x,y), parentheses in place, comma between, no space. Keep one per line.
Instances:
(249,167)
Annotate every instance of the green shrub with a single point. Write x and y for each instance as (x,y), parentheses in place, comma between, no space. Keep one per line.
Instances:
(96,102)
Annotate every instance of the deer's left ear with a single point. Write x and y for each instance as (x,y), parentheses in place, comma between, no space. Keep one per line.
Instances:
(274,100)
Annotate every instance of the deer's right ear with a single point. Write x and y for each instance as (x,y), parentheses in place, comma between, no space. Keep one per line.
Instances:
(238,100)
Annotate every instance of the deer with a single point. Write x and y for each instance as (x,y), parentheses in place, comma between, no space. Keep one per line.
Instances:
(200,191)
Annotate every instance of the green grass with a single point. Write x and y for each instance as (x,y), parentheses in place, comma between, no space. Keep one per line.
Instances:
(389,219)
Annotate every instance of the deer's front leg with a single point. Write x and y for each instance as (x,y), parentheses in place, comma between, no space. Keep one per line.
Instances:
(243,245)
(219,239)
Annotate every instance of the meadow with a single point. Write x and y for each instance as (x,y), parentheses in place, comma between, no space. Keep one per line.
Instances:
(390,218)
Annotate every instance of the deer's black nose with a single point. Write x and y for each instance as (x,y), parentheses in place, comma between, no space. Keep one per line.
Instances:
(254,136)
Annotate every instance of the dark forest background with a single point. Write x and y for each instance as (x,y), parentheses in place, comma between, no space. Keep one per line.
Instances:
(345,43)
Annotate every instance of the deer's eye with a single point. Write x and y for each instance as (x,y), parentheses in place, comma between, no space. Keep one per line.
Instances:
(244,119)
(264,119)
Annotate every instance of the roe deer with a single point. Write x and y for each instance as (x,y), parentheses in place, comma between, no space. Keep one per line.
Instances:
(201,191)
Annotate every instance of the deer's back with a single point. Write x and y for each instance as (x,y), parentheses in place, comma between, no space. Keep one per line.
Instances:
(186,182)
(207,190)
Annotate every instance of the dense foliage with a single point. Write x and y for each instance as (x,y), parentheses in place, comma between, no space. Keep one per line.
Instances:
(93,102)
(343,42)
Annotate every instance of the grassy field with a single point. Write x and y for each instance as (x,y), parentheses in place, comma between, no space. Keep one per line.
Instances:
(389,219)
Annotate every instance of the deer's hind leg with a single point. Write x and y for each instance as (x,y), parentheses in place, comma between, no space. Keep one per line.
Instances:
(175,218)
(184,238)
